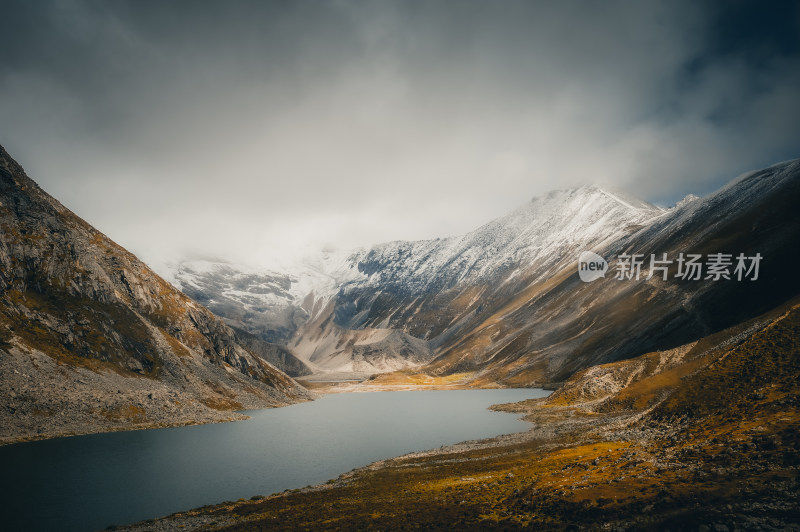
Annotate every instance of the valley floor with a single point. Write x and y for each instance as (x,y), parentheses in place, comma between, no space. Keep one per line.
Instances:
(387,382)
(702,437)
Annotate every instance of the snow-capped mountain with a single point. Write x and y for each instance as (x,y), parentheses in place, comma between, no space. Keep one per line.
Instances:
(505,302)
(539,231)
(317,304)
(530,243)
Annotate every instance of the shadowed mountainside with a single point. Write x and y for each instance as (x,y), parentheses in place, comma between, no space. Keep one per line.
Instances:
(278,356)
(557,326)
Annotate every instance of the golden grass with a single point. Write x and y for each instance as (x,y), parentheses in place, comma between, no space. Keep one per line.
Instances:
(125,414)
(411,378)
(221,403)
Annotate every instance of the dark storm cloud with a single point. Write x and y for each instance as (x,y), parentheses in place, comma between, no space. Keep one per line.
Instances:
(253,128)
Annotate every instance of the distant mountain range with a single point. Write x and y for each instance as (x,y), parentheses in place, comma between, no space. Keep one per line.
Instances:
(504,303)
(91,339)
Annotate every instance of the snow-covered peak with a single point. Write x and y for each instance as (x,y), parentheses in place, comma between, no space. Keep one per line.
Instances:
(587,192)
(545,231)
(689,198)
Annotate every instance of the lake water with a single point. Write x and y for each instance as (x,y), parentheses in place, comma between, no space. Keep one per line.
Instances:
(91,482)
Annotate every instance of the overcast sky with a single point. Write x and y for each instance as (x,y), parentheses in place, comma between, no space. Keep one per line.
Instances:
(252,130)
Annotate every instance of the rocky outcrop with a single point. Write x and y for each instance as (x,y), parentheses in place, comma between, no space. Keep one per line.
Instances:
(279,356)
(329,348)
(70,293)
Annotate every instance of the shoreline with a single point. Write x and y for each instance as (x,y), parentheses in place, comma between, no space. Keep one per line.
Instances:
(207,416)
(210,416)
(65,401)
(228,513)
(403,380)
(101,430)
(198,518)
(134,404)
(702,436)
(479,404)
(573,465)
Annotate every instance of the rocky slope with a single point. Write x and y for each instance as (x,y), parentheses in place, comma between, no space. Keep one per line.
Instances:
(331,348)
(278,356)
(91,339)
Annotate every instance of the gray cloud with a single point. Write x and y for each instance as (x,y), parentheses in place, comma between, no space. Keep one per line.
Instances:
(256,129)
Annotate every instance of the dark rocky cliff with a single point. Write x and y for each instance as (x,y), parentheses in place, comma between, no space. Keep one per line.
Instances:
(99,314)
